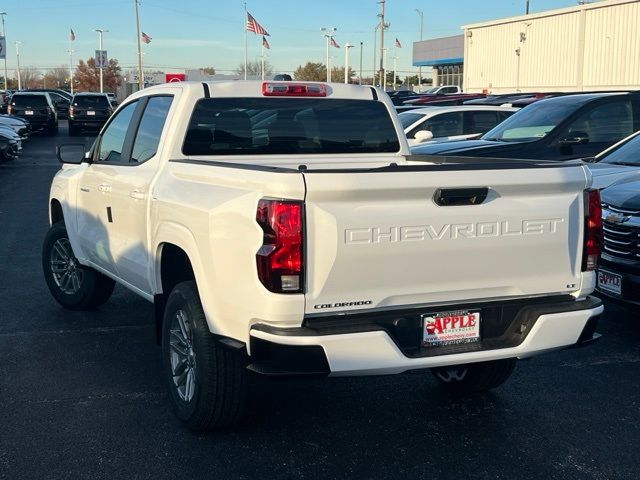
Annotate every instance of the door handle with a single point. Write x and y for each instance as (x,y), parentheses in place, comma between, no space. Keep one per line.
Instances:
(452,197)
(137,195)
(85,189)
(104,187)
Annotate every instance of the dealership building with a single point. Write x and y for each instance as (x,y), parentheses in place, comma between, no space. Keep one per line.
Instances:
(587,47)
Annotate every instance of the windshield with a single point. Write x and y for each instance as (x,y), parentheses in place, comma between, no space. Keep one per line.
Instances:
(95,101)
(407,119)
(531,123)
(282,126)
(626,154)
(36,101)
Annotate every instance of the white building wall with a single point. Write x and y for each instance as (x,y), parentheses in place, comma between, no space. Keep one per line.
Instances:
(588,47)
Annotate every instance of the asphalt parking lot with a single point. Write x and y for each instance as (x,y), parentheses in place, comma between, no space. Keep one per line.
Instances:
(81,394)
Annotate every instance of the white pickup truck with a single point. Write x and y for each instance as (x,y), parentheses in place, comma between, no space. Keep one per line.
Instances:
(283,228)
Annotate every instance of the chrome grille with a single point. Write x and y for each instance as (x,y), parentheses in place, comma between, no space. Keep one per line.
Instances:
(621,229)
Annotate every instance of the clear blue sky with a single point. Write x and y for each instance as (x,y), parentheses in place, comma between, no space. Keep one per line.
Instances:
(198,33)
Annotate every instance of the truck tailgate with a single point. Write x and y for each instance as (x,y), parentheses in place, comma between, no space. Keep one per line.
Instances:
(379,239)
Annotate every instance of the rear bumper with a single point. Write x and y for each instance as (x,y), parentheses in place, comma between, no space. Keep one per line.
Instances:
(366,350)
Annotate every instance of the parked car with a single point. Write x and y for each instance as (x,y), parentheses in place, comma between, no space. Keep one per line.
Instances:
(443,90)
(88,111)
(398,97)
(37,108)
(315,245)
(619,271)
(510,99)
(443,100)
(557,128)
(621,162)
(437,124)
(60,98)
(283,77)
(21,126)
(8,148)
(112,99)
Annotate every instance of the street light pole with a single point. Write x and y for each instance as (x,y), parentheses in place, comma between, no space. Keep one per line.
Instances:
(375,39)
(384,68)
(361,45)
(18,64)
(328,35)
(71,69)
(383,26)
(4,34)
(420,67)
(140,71)
(347,46)
(100,32)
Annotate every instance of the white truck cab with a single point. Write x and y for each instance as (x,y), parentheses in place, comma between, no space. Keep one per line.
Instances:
(283,228)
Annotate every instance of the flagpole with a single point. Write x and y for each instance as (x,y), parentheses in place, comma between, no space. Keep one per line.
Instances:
(245,40)
(140,71)
(262,58)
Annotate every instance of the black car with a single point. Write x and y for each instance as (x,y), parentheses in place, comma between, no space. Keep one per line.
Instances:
(88,111)
(558,128)
(37,108)
(60,99)
(400,96)
(619,271)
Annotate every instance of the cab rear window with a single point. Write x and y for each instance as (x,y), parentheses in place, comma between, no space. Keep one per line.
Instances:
(277,126)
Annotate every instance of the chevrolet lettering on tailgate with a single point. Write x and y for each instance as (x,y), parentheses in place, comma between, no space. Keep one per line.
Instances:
(451,231)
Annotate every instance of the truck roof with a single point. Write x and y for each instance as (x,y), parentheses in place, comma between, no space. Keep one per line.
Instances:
(253,88)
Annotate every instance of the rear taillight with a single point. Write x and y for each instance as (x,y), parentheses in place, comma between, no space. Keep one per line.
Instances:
(71,111)
(592,231)
(279,260)
(287,89)
(9,109)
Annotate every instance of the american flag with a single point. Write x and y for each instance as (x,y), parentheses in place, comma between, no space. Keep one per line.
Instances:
(398,43)
(333,43)
(265,44)
(255,27)
(146,38)
(72,36)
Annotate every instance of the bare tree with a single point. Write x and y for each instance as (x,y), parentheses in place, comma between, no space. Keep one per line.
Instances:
(57,77)
(254,68)
(30,78)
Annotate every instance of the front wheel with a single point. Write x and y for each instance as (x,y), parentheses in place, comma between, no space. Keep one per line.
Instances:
(207,380)
(73,285)
(474,377)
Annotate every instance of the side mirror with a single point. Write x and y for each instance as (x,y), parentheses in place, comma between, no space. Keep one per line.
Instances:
(423,136)
(72,153)
(576,138)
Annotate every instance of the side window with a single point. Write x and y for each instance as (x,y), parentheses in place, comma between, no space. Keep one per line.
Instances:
(481,122)
(147,139)
(606,123)
(112,140)
(444,125)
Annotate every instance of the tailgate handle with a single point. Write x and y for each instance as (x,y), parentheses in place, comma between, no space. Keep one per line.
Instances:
(452,197)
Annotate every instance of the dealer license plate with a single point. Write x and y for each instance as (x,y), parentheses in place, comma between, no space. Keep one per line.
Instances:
(91,112)
(28,112)
(450,328)
(610,282)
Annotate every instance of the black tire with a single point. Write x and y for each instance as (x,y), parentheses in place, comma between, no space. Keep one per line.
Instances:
(474,377)
(220,382)
(94,287)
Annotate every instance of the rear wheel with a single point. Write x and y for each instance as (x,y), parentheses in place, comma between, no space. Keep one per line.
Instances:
(474,377)
(73,285)
(207,380)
